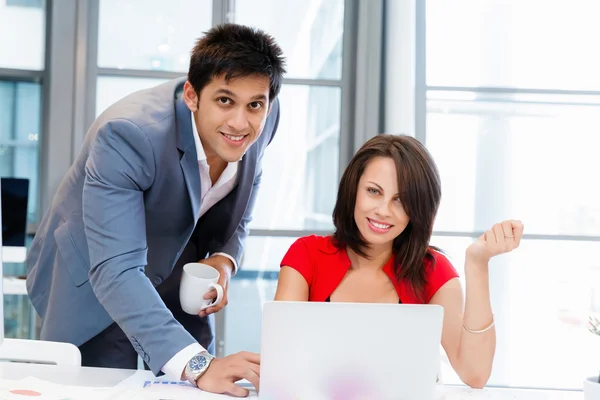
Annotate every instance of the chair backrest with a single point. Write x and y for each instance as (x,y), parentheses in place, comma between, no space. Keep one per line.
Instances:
(40,352)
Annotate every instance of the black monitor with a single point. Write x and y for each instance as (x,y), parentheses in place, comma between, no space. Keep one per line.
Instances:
(15,195)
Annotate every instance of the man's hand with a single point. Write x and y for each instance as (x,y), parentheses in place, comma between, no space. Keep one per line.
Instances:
(225,267)
(222,373)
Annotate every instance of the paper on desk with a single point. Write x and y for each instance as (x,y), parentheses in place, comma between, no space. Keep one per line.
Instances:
(147,386)
(170,390)
(43,390)
(180,392)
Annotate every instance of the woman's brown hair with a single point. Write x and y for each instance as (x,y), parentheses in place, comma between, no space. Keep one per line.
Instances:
(420,193)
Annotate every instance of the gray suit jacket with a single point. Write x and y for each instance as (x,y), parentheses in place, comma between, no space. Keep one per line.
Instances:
(122,217)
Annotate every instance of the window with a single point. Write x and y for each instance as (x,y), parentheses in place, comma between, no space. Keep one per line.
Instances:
(300,166)
(20,114)
(111,89)
(513,44)
(254,284)
(522,155)
(163,38)
(309,32)
(158,36)
(22,52)
(22,33)
(511,118)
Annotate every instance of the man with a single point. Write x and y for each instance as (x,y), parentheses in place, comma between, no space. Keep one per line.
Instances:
(166,176)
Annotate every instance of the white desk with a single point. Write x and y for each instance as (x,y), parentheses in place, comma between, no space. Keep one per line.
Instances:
(76,376)
(100,377)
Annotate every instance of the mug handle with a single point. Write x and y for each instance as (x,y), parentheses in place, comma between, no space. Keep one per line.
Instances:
(219,290)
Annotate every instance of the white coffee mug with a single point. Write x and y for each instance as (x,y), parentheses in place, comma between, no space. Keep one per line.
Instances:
(197,280)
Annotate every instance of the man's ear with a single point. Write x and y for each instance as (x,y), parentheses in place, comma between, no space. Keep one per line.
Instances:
(190,96)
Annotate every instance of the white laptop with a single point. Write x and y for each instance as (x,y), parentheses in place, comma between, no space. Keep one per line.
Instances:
(350,351)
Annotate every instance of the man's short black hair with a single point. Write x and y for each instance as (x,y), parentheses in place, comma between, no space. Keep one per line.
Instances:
(236,51)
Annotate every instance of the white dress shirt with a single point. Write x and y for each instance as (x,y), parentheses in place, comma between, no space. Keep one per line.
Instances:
(210,196)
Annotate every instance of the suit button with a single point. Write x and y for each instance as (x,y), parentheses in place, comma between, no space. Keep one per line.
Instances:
(157,280)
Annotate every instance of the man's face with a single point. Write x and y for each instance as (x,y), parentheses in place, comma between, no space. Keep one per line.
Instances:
(230,115)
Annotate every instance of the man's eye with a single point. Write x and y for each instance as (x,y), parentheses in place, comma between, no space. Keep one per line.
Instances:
(255,105)
(224,100)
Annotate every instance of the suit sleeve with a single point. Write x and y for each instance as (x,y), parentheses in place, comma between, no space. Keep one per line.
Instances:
(120,167)
(235,246)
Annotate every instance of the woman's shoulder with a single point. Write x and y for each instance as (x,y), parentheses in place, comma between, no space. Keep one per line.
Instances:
(319,243)
(440,259)
(439,270)
(310,248)
(309,255)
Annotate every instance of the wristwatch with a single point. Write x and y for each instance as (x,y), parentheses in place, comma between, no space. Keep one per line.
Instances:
(197,366)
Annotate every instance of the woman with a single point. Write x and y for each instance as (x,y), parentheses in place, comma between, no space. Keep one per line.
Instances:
(380,253)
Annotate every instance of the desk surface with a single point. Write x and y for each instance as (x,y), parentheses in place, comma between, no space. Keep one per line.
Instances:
(103,377)
(76,376)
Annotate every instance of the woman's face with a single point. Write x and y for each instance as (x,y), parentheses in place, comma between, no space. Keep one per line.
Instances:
(378,212)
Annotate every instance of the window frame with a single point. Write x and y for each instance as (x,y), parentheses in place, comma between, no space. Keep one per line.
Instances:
(421,90)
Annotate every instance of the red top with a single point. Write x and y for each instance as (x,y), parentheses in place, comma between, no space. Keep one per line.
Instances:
(324,266)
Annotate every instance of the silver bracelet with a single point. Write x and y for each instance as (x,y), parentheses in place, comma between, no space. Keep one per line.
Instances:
(483,330)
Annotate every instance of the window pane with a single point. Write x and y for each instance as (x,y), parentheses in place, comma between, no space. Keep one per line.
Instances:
(520,156)
(300,166)
(147,34)
(22,33)
(17,317)
(111,89)
(540,297)
(255,283)
(309,33)
(20,114)
(265,253)
(243,317)
(513,44)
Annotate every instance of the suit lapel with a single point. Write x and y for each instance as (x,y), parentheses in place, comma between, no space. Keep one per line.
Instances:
(189,158)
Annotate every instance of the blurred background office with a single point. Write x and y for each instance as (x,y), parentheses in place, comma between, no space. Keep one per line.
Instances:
(505,94)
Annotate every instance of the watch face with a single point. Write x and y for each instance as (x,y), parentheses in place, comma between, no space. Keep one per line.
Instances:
(198,363)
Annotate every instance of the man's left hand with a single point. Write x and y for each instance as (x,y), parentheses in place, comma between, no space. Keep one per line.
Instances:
(225,268)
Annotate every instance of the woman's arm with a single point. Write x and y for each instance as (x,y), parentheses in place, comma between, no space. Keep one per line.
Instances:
(291,285)
(469,338)
(470,354)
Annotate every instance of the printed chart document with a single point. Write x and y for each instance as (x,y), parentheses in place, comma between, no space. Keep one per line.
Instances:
(164,388)
(33,388)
